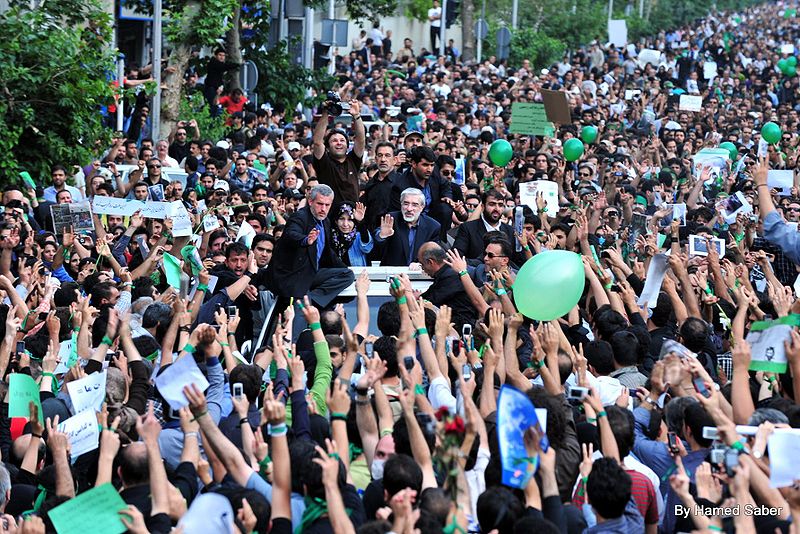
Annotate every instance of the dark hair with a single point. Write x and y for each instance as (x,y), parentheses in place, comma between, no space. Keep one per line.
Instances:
(600,355)
(66,294)
(621,422)
(101,291)
(608,321)
(133,466)
(498,508)
(249,376)
(498,238)
(422,152)
(444,159)
(389,318)
(385,144)
(493,193)
(386,348)
(263,237)
(695,417)
(694,333)
(236,248)
(401,472)
(625,346)
(608,488)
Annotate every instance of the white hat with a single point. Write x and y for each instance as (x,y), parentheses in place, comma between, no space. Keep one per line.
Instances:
(209,512)
(223,144)
(222,184)
(294,145)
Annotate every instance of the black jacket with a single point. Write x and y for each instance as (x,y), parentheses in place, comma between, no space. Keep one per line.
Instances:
(395,250)
(377,197)
(469,238)
(294,263)
(439,187)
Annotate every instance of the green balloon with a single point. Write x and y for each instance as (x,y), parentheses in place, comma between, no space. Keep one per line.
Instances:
(792,60)
(500,153)
(573,149)
(549,285)
(730,147)
(589,134)
(790,71)
(771,133)
(782,64)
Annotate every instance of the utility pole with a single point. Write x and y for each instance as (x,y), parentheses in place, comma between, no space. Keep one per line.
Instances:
(442,27)
(610,8)
(155,113)
(514,12)
(120,100)
(331,16)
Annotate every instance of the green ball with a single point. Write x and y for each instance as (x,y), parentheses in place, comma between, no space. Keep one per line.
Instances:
(730,147)
(791,71)
(792,61)
(589,134)
(573,149)
(782,65)
(549,285)
(771,133)
(500,153)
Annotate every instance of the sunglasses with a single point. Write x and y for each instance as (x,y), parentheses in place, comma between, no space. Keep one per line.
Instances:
(473,206)
(585,174)
(792,209)
(154,166)
(612,214)
(447,173)
(492,255)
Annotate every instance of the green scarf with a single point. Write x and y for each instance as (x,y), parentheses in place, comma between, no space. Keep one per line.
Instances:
(315,508)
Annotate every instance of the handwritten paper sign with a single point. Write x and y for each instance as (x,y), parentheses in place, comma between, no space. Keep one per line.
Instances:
(766,340)
(126,207)
(82,432)
(181,221)
(96,510)
(690,103)
(549,191)
(530,119)
(88,393)
(21,391)
(182,373)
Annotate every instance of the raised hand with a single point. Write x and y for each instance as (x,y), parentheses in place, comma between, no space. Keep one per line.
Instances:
(387,226)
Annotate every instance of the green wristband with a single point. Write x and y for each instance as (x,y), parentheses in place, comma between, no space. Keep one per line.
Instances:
(315,326)
(202,287)
(419,390)
(189,348)
(107,340)
(422,331)
(402,300)
(500,292)
(463,273)
(601,413)
(338,416)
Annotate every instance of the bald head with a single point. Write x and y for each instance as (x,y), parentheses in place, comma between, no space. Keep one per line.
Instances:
(431,256)
(133,468)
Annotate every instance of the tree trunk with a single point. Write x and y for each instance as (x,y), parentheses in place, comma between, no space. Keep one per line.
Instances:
(467,30)
(172,79)
(233,47)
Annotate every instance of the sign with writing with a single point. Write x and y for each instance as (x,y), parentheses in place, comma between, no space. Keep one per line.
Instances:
(690,103)
(88,393)
(82,432)
(96,510)
(549,190)
(530,119)
(121,206)
(649,55)
(77,217)
(182,373)
(22,390)
(181,221)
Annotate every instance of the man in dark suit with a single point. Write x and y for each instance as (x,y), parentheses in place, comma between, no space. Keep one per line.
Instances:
(469,238)
(447,287)
(304,262)
(433,186)
(403,232)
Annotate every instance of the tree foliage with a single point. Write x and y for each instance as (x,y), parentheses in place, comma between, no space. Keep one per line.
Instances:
(54,78)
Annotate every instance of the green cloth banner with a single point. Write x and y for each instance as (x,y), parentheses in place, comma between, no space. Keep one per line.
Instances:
(530,119)
(172,268)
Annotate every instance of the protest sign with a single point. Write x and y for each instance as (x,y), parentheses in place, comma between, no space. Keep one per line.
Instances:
(782,180)
(698,246)
(549,191)
(104,205)
(652,284)
(766,340)
(734,205)
(515,415)
(22,390)
(530,119)
(88,392)
(181,221)
(556,106)
(82,432)
(709,70)
(172,268)
(460,171)
(95,510)
(783,446)
(246,234)
(77,217)
(690,103)
(182,373)
(649,55)
(617,32)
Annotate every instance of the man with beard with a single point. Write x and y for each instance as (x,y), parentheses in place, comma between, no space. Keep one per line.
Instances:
(398,241)
(378,190)
(335,166)
(469,238)
(434,188)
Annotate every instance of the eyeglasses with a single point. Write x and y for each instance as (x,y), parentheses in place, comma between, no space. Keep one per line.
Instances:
(612,214)
(790,208)
(585,174)
(154,166)
(447,173)
(492,255)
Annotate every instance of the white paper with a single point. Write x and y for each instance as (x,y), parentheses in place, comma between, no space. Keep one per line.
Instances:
(699,247)
(652,284)
(784,449)
(246,234)
(618,32)
(787,49)
(648,55)
(690,103)
(767,345)
(120,206)
(88,392)
(82,432)
(734,205)
(630,94)
(678,213)
(709,70)
(782,180)
(210,223)
(181,221)
(549,190)
(763,148)
(182,373)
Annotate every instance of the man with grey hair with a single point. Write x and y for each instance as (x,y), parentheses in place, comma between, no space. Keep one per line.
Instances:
(304,262)
(446,287)
(402,233)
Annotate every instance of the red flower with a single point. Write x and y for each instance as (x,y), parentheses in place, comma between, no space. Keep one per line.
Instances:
(442,413)
(455,426)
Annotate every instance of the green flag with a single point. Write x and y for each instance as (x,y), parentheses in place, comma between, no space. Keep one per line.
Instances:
(172,268)
(21,391)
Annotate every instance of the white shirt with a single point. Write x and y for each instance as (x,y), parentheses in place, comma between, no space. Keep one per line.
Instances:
(435,12)
(490,228)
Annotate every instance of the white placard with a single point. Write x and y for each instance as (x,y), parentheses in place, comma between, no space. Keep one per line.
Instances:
(648,55)
(618,32)
(690,103)
(246,234)
(210,223)
(182,373)
(631,94)
(787,49)
(549,190)
(784,449)
(782,180)
(88,392)
(734,205)
(699,247)
(709,70)
(181,220)
(652,284)
(82,432)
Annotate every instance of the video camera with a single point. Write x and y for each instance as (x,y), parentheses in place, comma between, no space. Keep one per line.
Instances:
(334,105)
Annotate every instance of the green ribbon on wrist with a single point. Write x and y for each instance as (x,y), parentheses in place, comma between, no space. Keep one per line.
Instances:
(315,326)
(107,340)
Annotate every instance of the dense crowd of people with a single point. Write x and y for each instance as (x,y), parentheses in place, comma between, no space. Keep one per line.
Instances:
(236,395)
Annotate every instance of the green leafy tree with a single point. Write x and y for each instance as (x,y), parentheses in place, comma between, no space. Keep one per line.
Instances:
(54,79)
